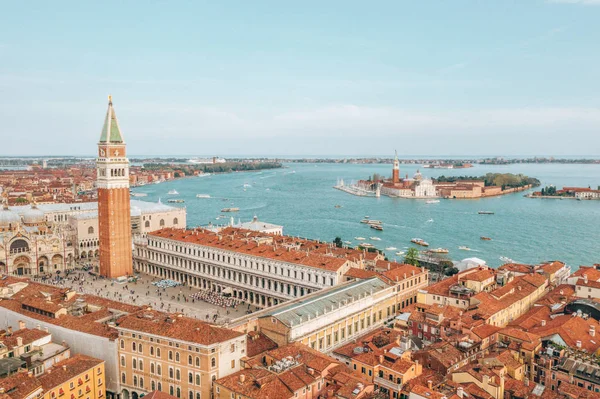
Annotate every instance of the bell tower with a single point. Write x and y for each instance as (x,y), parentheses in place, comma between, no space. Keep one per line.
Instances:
(114,217)
(396,170)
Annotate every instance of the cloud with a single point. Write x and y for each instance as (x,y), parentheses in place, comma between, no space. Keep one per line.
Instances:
(581,2)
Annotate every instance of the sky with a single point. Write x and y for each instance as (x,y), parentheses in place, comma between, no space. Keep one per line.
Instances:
(460,77)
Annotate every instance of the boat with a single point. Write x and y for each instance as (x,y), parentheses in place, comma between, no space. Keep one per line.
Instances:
(391,248)
(176,201)
(439,251)
(202,196)
(360,238)
(204,175)
(230,209)
(337,206)
(366,217)
(432,201)
(246,185)
(173,192)
(375,238)
(463,248)
(506,260)
(374,222)
(139,194)
(430,221)
(365,221)
(485,238)
(485,212)
(366,245)
(420,242)
(348,242)
(376,227)
(399,253)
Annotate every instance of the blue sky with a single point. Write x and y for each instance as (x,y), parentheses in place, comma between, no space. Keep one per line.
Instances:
(313,77)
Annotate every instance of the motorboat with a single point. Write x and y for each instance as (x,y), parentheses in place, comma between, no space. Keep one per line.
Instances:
(365,221)
(360,238)
(202,196)
(375,238)
(139,194)
(374,222)
(485,238)
(391,249)
(463,248)
(230,209)
(376,227)
(485,212)
(176,201)
(337,206)
(173,192)
(432,201)
(420,242)
(399,253)
(348,242)
(439,251)
(366,245)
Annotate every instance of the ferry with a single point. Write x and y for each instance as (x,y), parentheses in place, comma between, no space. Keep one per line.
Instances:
(173,192)
(391,249)
(432,201)
(176,201)
(420,242)
(376,227)
(485,238)
(375,238)
(230,209)
(360,238)
(463,248)
(439,251)
(202,196)
(485,212)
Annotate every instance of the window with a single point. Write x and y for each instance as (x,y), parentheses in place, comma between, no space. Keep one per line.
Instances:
(133,346)
(162,224)
(123,361)
(157,352)
(141,382)
(197,361)
(197,379)
(140,348)
(170,355)
(134,363)
(152,368)
(122,378)
(190,360)
(159,386)
(90,230)
(158,369)
(171,372)
(213,362)
(177,375)
(141,365)
(147,224)
(151,351)
(153,385)
(233,364)
(178,392)
(177,357)
(175,221)
(122,344)
(190,378)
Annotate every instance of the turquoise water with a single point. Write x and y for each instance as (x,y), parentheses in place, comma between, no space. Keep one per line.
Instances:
(526,230)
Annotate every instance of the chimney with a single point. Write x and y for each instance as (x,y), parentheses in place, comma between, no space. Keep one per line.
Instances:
(543,323)
(8,330)
(311,371)
(429,384)
(242,378)
(64,367)
(39,327)
(19,341)
(21,325)
(381,359)
(593,331)
(460,392)
(585,280)
(30,374)
(46,329)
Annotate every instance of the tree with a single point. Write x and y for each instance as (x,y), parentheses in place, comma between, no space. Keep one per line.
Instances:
(451,271)
(412,257)
(338,242)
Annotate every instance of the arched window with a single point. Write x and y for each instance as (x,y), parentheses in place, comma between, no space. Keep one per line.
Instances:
(135,381)
(141,382)
(151,351)
(197,361)
(153,385)
(158,369)
(157,352)
(170,372)
(191,395)
(170,355)
(175,221)
(134,363)
(178,392)
(140,348)
(177,375)
(190,378)
(122,378)
(141,364)
(197,379)
(197,395)
(122,344)
(133,346)
(147,224)
(90,230)
(190,360)
(177,357)
(159,386)
(162,222)
(213,362)
(151,368)
(123,361)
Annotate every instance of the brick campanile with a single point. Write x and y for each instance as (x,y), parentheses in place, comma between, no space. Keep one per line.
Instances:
(114,217)
(396,170)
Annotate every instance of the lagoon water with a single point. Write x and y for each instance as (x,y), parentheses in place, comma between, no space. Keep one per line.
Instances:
(301,198)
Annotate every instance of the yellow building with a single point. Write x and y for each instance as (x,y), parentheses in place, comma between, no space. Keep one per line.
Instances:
(488,379)
(175,354)
(79,377)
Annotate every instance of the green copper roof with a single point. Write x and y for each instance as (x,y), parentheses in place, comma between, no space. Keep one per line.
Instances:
(110,131)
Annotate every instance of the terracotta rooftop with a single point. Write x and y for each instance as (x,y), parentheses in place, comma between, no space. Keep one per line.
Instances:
(26,334)
(68,369)
(176,326)
(243,241)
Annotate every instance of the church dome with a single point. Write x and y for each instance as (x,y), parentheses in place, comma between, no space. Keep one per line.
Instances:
(33,215)
(8,218)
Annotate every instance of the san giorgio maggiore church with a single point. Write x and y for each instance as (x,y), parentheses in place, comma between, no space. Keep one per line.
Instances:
(44,239)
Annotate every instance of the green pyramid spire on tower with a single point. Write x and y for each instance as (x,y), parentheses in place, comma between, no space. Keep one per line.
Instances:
(111,133)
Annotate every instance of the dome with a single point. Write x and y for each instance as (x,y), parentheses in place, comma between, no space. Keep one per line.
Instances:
(8,218)
(33,216)
(135,211)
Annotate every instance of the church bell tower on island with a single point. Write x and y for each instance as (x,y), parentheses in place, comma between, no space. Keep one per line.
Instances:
(114,217)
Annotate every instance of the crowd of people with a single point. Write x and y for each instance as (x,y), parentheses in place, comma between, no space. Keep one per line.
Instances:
(216,298)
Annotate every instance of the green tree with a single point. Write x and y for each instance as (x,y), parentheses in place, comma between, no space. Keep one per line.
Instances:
(21,200)
(412,257)
(338,242)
